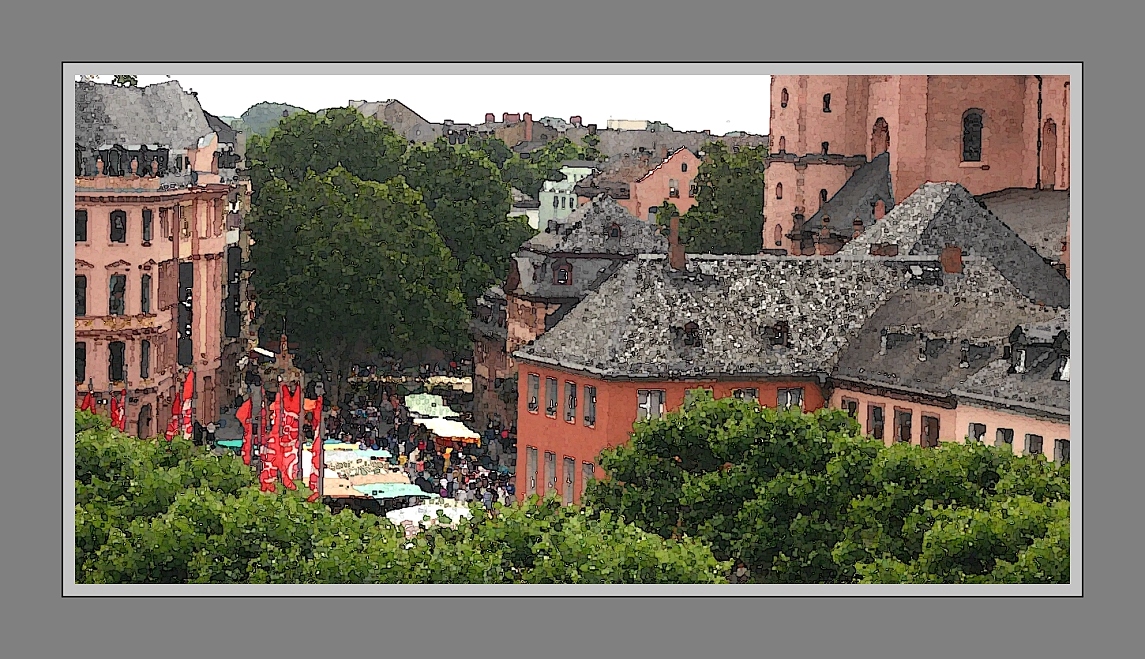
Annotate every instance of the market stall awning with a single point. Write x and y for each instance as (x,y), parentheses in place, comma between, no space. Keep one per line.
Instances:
(429,406)
(449,429)
(418,513)
(393,491)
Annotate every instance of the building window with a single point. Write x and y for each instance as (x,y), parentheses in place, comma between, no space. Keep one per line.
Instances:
(1033,445)
(1020,366)
(779,191)
(972,136)
(117,290)
(783,98)
(929,431)
(531,470)
(782,144)
(550,471)
(562,203)
(746,394)
(826,102)
(777,235)
(692,191)
(534,391)
(144,359)
(977,432)
(81,361)
(790,398)
(614,231)
(563,277)
(556,202)
(903,422)
(551,396)
(148,224)
(81,226)
(826,146)
(875,421)
(673,188)
(145,294)
(587,474)
(822,198)
(683,167)
(852,407)
(692,334)
(649,404)
(1061,451)
(589,406)
(118,227)
(81,295)
(567,486)
(570,402)
(115,365)
(1004,437)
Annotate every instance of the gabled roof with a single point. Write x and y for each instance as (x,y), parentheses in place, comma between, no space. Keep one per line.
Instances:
(663,162)
(1039,217)
(869,184)
(586,231)
(161,114)
(942,214)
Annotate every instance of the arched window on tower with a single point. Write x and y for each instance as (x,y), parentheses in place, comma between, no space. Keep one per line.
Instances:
(826,146)
(1049,154)
(972,121)
(783,98)
(779,191)
(880,137)
(782,144)
(826,102)
(777,235)
(822,198)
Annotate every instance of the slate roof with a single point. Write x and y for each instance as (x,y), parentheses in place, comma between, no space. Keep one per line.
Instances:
(856,199)
(227,135)
(941,214)
(1039,217)
(586,231)
(631,326)
(1035,389)
(161,114)
(536,272)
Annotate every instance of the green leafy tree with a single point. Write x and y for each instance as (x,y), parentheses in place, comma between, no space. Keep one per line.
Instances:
(727,217)
(125,81)
(341,258)
(802,498)
(261,118)
(470,202)
(215,530)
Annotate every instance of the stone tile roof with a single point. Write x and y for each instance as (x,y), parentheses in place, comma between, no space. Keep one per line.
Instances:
(161,114)
(1039,217)
(1036,388)
(536,272)
(635,324)
(941,214)
(856,199)
(586,231)
(227,135)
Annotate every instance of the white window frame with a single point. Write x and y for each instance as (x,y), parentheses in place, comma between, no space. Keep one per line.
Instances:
(784,403)
(645,403)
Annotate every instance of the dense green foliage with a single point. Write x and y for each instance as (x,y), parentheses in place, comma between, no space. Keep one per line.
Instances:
(125,81)
(261,118)
(158,512)
(801,498)
(727,217)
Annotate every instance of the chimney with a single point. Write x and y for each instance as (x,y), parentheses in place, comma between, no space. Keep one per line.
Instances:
(675,249)
(504,117)
(285,113)
(575,120)
(490,117)
(856,228)
(951,259)
(528,118)
(663,152)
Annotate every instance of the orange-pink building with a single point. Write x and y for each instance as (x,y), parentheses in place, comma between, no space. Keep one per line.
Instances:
(987,133)
(669,181)
(157,263)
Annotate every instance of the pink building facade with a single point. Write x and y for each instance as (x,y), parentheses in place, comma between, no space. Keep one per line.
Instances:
(987,133)
(670,181)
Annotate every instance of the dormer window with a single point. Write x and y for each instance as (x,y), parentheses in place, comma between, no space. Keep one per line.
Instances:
(562,274)
(614,231)
(778,334)
(691,334)
(1063,372)
(1020,357)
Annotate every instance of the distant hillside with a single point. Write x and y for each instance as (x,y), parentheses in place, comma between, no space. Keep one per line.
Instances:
(261,117)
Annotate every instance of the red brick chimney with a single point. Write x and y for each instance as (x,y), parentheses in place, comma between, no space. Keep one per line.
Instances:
(528,119)
(490,117)
(575,120)
(951,259)
(675,249)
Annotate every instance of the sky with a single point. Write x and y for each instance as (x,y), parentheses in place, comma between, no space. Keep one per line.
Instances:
(719,103)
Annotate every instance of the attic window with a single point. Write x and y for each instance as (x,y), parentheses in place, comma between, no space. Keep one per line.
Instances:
(614,231)
(1063,374)
(691,334)
(778,334)
(564,275)
(1020,365)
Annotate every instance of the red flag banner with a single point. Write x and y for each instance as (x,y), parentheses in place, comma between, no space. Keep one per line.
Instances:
(244,415)
(318,453)
(288,441)
(88,403)
(117,416)
(123,412)
(188,396)
(176,415)
(269,453)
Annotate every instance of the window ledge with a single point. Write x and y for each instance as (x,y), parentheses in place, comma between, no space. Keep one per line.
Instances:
(974,165)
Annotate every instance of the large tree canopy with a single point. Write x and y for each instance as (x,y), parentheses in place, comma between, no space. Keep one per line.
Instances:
(802,498)
(341,259)
(727,217)
(151,511)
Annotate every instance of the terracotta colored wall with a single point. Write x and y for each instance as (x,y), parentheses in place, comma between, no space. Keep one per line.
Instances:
(778,212)
(831,126)
(1020,424)
(525,321)
(653,191)
(785,120)
(616,408)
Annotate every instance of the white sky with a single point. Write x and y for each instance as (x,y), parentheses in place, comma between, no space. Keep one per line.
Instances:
(719,103)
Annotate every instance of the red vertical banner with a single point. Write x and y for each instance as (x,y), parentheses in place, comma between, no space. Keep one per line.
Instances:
(116,411)
(318,454)
(244,416)
(88,402)
(176,415)
(288,441)
(122,425)
(269,452)
(188,396)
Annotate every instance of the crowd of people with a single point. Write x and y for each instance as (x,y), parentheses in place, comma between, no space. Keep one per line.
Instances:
(451,469)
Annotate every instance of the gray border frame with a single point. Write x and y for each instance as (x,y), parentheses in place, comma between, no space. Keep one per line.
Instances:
(1074,588)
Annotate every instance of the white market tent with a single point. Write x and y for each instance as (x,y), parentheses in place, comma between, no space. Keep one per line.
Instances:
(448,429)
